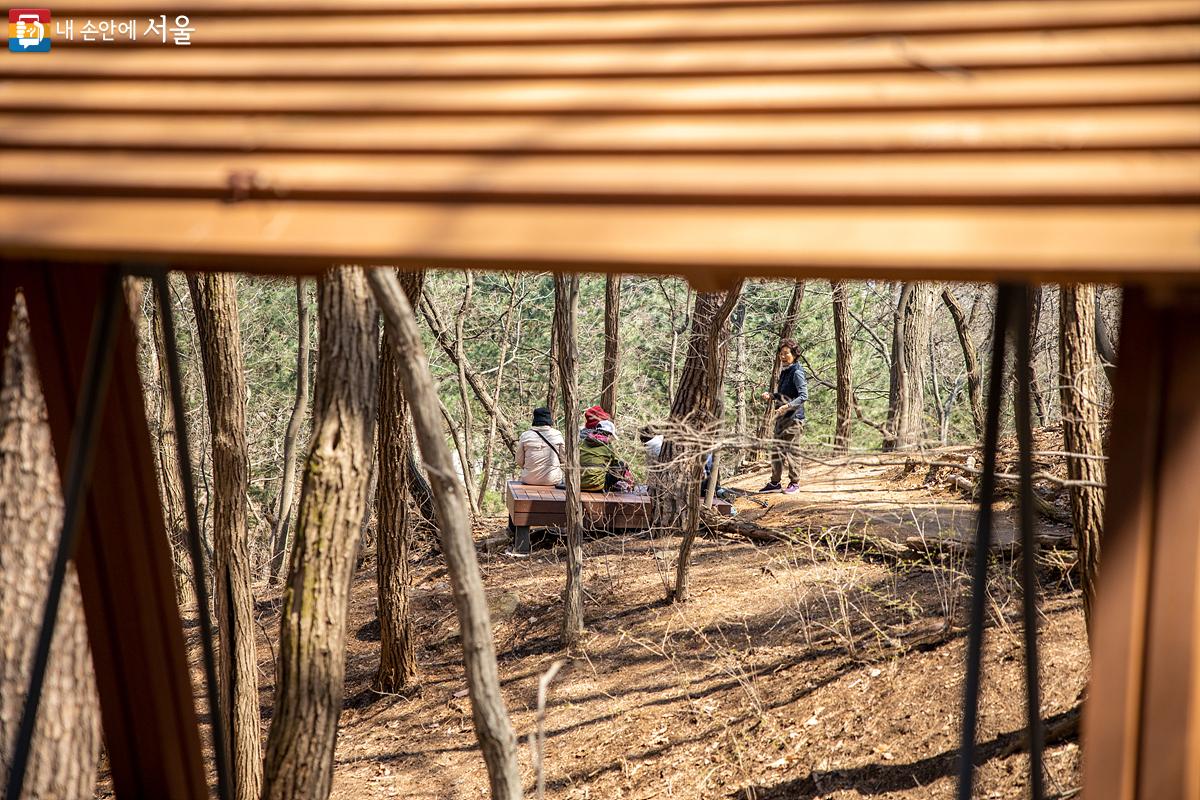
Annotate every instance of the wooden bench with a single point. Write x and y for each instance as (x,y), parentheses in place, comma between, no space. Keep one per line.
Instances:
(545,506)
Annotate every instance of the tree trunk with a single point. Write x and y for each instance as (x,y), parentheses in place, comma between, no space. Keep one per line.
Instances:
(787,329)
(1035,391)
(312,640)
(473,379)
(739,389)
(283,512)
(418,487)
(66,739)
(1104,344)
(397,650)
(970,359)
(693,426)
(468,486)
(167,452)
(1081,428)
(845,377)
(612,343)
(214,297)
(489,448)
(566,305)
(906,395)
(552,373)
(492,727)
(460,360)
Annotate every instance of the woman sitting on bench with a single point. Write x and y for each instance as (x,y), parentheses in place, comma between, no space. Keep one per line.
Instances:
(539,451)
(600,469)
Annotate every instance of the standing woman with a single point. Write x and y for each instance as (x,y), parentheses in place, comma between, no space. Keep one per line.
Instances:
(788,419)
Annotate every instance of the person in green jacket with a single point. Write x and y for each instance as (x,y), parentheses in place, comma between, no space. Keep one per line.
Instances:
(600,468)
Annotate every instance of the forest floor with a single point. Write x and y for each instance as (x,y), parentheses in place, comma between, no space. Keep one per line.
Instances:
(809,670)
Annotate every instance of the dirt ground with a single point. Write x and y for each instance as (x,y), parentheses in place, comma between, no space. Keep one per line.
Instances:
(795,671)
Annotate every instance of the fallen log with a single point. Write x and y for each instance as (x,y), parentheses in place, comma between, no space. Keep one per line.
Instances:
(732,526)
(925,546)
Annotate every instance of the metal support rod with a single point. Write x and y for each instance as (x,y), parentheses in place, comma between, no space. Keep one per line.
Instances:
(93,390)
(1029,588)
(1006,298)
(162,290)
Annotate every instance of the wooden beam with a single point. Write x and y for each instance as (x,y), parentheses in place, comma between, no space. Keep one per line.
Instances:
(1169,762)
(706,244)
(1141,727)
(124,567)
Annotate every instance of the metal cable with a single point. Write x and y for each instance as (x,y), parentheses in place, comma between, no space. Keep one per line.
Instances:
(1006,299)
(1029,589)
(162,290)
(93,389)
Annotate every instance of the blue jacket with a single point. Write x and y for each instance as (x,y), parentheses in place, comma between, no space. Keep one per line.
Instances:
(793,390)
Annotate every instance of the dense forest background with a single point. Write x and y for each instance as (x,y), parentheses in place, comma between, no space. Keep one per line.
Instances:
(512,314)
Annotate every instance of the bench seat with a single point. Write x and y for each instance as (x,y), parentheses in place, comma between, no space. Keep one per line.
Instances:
(545,506)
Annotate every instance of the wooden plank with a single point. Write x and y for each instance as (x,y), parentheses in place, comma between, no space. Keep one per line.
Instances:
(940,177)
(238,8)
(124,566)
(707,244)
(996,88)
(669,25)
(1056,130)
(944,52)
(1169,762)
(1112,726)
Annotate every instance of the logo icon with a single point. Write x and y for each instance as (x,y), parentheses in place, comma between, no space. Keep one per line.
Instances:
(29,30)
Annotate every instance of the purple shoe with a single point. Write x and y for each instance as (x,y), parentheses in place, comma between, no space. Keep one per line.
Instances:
(770,487)
(791,489)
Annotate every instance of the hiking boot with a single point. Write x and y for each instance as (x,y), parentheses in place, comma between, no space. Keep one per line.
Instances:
(791,489)
(771,486)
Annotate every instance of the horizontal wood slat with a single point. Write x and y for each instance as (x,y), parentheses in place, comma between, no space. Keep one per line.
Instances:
(708,244)
(1066,86)
(668,25)
(287,8)
(939,53)
(992,178)
(1146,127)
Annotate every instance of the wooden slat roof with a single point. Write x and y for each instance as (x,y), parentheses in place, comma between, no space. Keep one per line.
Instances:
(1056,139)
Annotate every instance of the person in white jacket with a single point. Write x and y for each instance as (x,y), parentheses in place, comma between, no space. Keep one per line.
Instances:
(540,451)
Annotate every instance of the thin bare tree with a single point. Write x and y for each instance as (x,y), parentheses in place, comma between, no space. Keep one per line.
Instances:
(492,727)
(566,307)
(612,343)
(166,455)
(397,650)
(970,359)
(1080,398)
(474,380)
(692,426)
(845,378)
(489,446)
(214,297)
(280,538)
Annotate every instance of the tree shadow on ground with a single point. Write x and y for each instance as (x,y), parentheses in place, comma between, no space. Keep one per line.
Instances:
(876,778)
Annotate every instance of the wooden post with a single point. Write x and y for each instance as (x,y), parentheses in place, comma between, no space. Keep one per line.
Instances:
(123,557)
(1141,730)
